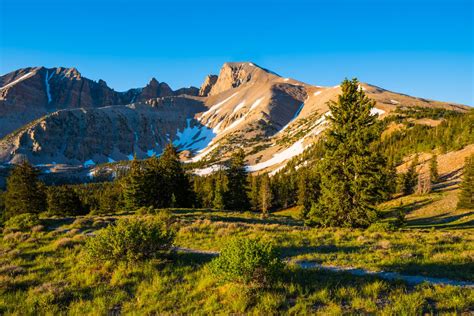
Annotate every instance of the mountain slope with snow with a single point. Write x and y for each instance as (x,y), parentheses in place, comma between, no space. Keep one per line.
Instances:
(246,106)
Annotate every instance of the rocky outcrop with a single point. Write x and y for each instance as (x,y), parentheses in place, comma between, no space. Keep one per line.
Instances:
(233,75)
(207,85)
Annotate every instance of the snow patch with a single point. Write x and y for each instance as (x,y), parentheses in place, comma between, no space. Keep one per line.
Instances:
(317,93)
(292,151)
(89,163)
(46,81)
(17,80)
(193,138)
(218,105)
(239,107)
(361,88)
(394,101)
(374,111)
(286,79)
(208,170)
(256,103)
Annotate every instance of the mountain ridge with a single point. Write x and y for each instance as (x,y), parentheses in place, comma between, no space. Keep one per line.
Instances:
(272,117)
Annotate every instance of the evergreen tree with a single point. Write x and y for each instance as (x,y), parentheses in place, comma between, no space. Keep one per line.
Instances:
(353,168)
(434,176)
(110,199)
(308,189)
(265,194)
(254,194)
(219,191)
(236,197)
(25,193)
(64,201)
(175,180)
(466,197)
(135,187)
(409,179)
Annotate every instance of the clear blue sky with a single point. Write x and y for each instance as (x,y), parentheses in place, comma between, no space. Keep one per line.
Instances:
(419,47)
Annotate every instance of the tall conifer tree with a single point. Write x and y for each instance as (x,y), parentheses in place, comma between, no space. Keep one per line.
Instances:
(265,194)
(236,197)
(25,193)
(466,197)
(352,181)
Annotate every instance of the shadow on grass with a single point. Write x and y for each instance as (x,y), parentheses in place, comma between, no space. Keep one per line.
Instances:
(407,208)
(233,217)
(442,221)
(324,249)
(191,259)
(454,271)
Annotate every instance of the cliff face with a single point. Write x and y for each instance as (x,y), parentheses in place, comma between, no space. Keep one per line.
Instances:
(29,93)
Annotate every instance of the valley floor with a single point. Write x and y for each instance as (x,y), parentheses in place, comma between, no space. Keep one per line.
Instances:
(44,271)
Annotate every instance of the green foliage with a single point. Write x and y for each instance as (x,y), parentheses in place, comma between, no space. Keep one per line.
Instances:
(409,179)
(64,201)
(265,194)
(25,193)
(236,196)
(247,261)
(134,187)
(158,182)
(388,226)
(466,197)
(434,175)
(22,222)
(309,181)
(353,173)
(131,240)
(453,133)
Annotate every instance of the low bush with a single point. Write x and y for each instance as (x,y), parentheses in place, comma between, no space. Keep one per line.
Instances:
(247,261)
(131,240)
(382,227)
(22,222)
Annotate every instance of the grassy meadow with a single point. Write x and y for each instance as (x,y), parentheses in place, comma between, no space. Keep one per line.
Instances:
(46,270)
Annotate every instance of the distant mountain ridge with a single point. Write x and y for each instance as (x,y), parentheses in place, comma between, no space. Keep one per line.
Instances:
(36,91)
(62,118)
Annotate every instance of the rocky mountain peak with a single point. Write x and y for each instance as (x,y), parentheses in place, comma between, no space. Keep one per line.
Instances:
(207,85)
(234,74)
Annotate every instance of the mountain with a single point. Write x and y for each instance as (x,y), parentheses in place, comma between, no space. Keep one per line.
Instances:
(29,93)
(72,120)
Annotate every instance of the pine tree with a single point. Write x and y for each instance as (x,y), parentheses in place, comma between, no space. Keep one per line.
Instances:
(409,179)
(265,194)
(236,197)
(434,176)
(219,191)
(25,193)
(353,168)
(135,187)
(64,201)
(254,194)
(466,196)
(176,181)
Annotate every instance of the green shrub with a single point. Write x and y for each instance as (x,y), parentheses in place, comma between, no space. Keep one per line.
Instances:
(389,226)
(22,222)
(247,261)
(130,240)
